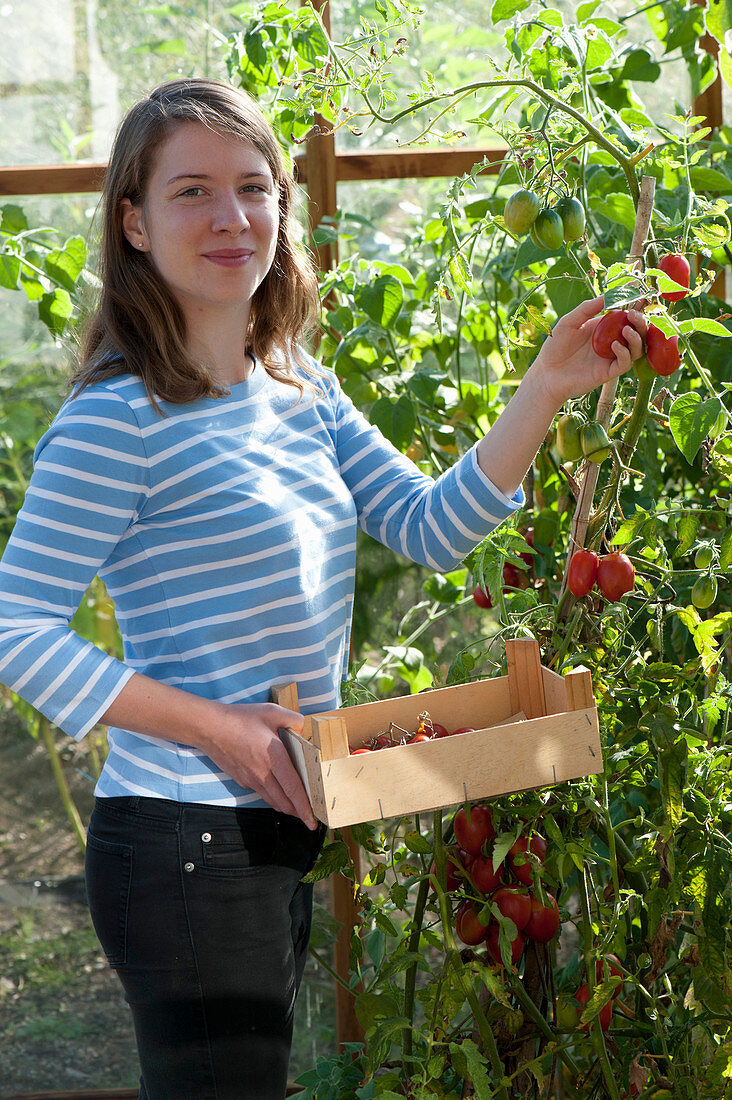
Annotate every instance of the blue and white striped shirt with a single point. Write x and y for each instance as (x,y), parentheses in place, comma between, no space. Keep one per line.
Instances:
(225,532)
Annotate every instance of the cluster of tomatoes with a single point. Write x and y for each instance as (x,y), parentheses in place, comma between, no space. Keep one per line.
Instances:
(426,730)
(613,574)
(661,352)
(470,871)
(548,227)
(609,966)
(577,438)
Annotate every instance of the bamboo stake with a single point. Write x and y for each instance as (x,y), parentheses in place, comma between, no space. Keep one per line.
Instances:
(609,390)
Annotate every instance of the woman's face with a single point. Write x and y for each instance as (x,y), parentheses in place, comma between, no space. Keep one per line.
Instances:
(209,220)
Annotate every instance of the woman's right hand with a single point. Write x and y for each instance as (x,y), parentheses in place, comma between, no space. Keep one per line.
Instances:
(246,745)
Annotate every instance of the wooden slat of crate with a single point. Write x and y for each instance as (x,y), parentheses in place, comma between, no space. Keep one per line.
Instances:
(479,704)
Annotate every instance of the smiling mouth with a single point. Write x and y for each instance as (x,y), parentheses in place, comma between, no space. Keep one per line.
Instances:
(229,257)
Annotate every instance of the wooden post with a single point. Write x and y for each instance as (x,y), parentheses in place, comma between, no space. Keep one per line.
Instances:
(320,166)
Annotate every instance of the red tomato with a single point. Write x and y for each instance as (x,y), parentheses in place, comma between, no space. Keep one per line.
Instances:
(485,878)
(452,879)
(606,1012)
(494,949)
(463,729)
(472,834)
(384,741)
(608,330)
(482,598)
(677,268)
(418,737)
(615,576)
(543,924)
(467,926)
(440,730)
(357,752)
(662,352)
(612,971)
(519,864)
(513,577)
(515,904)
(582,572)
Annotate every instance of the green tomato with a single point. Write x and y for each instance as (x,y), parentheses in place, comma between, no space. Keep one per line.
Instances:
(704,556)
(520,212)
(549,229)
(572,213)
(595,443)
(569,443)
(704,592)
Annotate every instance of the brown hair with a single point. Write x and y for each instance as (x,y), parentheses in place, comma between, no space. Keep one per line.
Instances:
(138,325)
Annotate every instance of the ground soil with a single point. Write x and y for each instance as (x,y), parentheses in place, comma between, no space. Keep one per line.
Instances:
(64,1024)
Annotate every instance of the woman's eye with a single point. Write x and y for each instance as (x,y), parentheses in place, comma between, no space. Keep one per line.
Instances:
(191,192)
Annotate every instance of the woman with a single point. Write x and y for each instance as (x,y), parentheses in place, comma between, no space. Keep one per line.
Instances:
(214,477)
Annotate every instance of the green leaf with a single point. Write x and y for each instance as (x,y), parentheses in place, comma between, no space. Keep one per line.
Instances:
(709,179)
(334,857)
(504,9)
(704,324)
(382,921)
(372,1007)
(13,220)
(686,530)
(9,271)
(54,309)
(472,1067)
(718,18)
(418,843)
(395,420)
(634,118)
(64,265)
(671,773)
(381,300)
(619,208)
(639,65)
(691,421)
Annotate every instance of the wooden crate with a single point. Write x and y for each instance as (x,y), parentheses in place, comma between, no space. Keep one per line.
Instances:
(533,728)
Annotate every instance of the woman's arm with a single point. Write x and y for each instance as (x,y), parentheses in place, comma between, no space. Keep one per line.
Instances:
(565,367)
(241,738)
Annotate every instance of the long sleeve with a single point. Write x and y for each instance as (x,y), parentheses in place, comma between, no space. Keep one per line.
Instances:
(89,482)
(435,523)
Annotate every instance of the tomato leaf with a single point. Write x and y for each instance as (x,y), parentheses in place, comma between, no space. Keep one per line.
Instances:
(691,420)
(381,300)
(699,324)
(418,843)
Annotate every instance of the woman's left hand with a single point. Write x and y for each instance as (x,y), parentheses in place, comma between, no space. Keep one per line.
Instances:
(567,366)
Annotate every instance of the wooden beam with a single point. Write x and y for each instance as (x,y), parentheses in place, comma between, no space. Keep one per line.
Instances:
(319,171)
(51,179)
